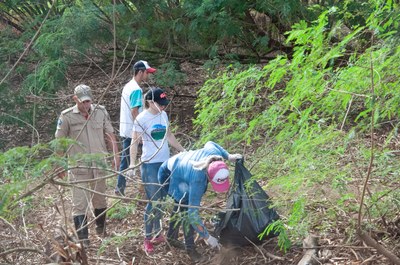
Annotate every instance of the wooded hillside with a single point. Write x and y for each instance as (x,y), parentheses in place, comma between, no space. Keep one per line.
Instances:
(307,91)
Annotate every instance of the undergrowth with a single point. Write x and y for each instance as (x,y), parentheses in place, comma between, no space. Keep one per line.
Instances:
(308,119)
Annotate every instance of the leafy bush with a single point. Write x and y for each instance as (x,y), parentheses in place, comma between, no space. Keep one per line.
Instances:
(295,112)
(169,75)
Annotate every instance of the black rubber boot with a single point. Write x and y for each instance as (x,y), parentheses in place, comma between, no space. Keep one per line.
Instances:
(176,243)
(194,255)
(83,232)
(100,221)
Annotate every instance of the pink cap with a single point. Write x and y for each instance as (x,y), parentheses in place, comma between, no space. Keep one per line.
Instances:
(219,176)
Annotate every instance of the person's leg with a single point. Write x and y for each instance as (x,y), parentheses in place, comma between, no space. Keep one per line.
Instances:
(175,222)
(80,222)
(153,193)
(152,215)
(99,201)
(188,230)
(125,160)
(80,205)
(100,215)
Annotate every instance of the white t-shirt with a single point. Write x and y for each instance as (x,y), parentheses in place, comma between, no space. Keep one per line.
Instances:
(153,131)
(131,97)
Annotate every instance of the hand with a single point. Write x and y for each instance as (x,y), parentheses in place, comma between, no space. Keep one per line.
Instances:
(116,163)
(234,157)
(131,172)
(213,242)
(80,105)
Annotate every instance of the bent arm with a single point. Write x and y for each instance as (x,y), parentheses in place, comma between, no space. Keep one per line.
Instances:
(174,142)
(215,148)
(62,131)
(196,192)
(163,176)
(134,112)
(197,223)
(133,150)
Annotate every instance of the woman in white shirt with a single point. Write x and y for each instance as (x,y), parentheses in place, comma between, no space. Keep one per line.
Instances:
(152,127)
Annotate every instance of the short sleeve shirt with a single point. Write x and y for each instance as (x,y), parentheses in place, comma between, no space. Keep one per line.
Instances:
(131,97)
(92,138)
(153,131)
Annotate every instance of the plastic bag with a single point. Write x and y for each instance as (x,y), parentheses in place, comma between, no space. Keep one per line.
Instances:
(236,228)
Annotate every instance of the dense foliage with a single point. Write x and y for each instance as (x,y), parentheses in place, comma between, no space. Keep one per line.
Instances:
(308,116)
(87,31)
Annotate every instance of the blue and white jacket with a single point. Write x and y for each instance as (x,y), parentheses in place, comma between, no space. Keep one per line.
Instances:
(186,184)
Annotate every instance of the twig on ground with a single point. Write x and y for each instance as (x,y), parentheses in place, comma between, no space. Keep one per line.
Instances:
(14,250)
(9,224)
(373,257)
(355,254)
(371,242)
(266,252)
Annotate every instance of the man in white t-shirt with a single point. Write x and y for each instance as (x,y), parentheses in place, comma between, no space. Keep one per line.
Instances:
(131,106)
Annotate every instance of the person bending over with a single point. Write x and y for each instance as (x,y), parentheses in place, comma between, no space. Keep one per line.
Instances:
(185,177)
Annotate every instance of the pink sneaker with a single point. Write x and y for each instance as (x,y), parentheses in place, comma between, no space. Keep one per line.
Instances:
(148,246)
(158,240)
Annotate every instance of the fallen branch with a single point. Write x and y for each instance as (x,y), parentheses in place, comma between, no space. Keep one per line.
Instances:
(310,256)
(266,252)
(5,253)
(372,243)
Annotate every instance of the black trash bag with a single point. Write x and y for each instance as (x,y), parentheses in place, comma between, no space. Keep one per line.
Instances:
(236,228)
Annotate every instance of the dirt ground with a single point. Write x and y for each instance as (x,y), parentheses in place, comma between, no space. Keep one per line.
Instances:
(46,230)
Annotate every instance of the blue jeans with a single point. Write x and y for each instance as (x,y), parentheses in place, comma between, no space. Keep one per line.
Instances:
(125,160)
(154,192)
(178,218)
